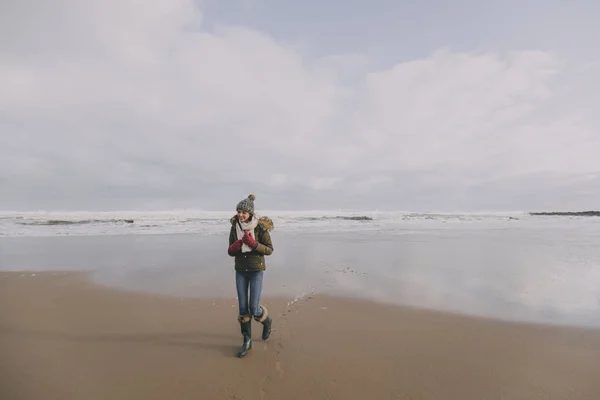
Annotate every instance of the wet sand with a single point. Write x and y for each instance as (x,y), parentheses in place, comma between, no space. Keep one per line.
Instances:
(509,274)
(62,337)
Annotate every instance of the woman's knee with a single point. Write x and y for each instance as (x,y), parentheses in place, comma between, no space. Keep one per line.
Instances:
(255,310)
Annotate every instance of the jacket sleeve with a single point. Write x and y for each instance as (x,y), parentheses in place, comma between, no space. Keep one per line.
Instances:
(232,238)
(265,246)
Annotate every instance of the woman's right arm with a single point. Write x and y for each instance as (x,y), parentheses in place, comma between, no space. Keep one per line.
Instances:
(235,245)
(232,235)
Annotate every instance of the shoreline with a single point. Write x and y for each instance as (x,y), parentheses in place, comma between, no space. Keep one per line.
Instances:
(85,278)
(62,336)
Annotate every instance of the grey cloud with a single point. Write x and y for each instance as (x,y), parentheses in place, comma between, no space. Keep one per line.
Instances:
(154,110)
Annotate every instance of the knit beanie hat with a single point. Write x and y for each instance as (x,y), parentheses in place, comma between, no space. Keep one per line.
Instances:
(247,204)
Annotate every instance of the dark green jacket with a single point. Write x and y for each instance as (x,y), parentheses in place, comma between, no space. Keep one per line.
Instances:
(255,259)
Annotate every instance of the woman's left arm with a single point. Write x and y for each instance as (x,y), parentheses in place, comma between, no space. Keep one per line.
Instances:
(264,245)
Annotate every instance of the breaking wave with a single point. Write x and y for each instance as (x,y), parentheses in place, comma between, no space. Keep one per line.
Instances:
(75,222)
(339,217)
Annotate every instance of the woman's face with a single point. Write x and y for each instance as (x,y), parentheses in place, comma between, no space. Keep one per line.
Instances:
(243,215)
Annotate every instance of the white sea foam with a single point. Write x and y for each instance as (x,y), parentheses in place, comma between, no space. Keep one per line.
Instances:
(54,223)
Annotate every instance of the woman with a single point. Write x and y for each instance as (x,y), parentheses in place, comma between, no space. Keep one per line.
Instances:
(249,243)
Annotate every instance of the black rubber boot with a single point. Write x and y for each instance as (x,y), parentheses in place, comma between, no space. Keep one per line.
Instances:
(246,328)
(266,321)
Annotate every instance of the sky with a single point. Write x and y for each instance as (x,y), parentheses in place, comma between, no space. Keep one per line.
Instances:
(390,105)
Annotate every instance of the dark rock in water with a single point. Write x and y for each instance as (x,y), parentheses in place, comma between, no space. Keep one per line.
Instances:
(129,221)
(570,213)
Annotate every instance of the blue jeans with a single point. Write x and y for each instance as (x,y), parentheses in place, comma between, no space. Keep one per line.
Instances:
(252,280)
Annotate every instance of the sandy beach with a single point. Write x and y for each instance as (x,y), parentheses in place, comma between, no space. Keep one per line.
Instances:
(63,337)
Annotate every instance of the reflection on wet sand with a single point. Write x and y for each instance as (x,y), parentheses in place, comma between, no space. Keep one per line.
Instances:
(520,274)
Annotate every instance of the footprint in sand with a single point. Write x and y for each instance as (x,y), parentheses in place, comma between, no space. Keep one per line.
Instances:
(279,369)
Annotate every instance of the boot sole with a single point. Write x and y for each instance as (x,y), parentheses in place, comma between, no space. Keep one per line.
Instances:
(243,354)
(268,333)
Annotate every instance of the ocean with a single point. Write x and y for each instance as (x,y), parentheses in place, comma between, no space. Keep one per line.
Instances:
(512,265)
(44,223)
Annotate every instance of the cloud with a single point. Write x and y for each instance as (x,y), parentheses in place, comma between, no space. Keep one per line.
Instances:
(138,101)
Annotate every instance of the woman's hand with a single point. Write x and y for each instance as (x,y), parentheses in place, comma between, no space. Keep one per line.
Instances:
(235,247)
(249,240)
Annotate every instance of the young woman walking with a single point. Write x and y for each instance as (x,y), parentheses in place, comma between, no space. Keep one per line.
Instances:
(249,243)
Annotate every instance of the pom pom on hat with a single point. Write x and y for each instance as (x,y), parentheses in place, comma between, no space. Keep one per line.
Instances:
(247,204)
